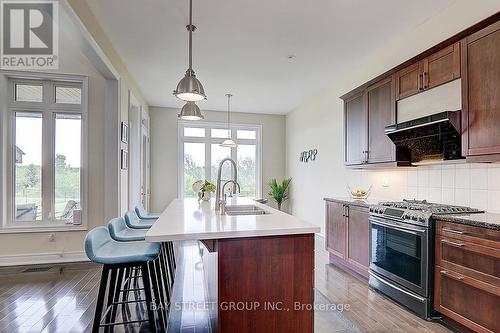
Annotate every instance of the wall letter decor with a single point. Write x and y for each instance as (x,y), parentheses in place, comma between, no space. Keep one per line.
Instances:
(308,155)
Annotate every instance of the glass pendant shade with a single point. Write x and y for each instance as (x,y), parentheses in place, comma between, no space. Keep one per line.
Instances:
(190,111)
(229,143)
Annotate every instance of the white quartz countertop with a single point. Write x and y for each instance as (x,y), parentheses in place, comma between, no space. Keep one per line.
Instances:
(186,219)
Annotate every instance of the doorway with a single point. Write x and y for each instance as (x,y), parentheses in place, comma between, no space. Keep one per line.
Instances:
(139,155)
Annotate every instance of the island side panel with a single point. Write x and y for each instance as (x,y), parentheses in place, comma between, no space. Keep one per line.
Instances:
(265,272)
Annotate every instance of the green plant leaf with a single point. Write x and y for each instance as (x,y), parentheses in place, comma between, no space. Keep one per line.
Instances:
(279,192)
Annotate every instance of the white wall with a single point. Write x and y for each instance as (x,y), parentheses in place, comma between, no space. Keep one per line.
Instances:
(105,111)
(164,146)
(72,60)
(318,123)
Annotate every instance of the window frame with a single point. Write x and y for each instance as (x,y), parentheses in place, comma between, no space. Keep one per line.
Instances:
(49,109)
(208,141)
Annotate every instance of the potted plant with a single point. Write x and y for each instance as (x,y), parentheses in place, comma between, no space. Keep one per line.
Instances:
(205,191)
(279,192)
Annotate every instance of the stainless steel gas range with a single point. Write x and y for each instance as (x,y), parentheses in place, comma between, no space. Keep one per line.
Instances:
(402,252)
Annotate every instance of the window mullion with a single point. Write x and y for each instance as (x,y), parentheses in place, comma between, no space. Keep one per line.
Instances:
(47,166)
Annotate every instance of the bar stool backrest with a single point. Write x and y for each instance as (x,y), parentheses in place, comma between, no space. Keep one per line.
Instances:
(140,211)
(116,225)
(95,239)
(131,217)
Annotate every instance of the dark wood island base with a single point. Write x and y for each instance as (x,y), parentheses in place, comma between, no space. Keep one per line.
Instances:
(261,284)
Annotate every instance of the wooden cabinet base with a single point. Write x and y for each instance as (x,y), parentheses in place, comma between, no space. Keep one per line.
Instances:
(345,265)
(466,275)
(265,284)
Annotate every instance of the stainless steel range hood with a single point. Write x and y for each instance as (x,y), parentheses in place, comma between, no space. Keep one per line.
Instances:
(435,137)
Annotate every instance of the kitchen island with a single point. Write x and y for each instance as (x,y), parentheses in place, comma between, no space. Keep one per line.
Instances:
(259,269)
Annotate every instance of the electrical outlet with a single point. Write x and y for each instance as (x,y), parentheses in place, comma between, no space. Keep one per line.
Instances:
(52,237)
(385,183)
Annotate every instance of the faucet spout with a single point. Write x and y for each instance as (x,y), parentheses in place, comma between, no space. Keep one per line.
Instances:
(219,188)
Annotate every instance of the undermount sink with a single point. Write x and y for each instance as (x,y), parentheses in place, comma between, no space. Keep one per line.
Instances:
(245,210)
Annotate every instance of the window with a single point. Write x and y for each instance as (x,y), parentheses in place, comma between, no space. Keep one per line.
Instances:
(200,154)
(28,93)
(46,166)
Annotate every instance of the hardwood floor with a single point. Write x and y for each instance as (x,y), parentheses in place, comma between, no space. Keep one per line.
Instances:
(63,300)
(370,310)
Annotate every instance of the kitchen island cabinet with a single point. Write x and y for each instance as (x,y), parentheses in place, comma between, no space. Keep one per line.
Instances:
(261,266)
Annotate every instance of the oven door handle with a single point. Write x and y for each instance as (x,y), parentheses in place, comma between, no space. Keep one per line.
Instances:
(398,227)
(418,297)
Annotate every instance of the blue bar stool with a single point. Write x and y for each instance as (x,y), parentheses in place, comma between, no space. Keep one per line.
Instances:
(141,212)
(116,257)
(119,231)
(134,222)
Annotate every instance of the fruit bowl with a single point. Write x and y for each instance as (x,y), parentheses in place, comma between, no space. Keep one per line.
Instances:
(359,193)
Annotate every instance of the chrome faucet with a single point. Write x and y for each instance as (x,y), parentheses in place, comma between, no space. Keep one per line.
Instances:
(219,188)
(223,202)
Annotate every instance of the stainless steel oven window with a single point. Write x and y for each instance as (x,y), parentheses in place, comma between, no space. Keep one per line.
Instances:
(399,252)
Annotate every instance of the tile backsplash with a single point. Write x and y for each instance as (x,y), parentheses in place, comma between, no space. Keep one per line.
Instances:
(472,184)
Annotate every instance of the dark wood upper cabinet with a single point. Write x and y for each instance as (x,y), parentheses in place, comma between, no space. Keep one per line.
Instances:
(481,95)
(335,229)
(409,80)
(366,116)
(438,68)
(381,113)
(472,55)
(441,67)
(355,130)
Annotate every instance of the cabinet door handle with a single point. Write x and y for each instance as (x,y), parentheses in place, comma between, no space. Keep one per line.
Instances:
(424,81)
(456,277)
(420,76)
(346,211)
(365,153)
(452,243)
(453,231)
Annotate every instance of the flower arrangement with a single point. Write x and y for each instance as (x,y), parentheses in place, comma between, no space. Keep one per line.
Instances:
(205,190)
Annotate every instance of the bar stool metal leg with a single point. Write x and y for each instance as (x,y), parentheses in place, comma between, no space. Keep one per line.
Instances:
(100,299)
(149,298)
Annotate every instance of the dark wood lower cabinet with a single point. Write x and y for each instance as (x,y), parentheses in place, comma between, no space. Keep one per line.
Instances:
(467,275)
(265,284)
(357,237)
(336,229)
(347,232)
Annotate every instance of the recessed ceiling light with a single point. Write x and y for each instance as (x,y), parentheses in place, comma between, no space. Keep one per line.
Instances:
(291,56)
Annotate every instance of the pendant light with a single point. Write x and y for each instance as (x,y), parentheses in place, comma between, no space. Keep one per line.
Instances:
(190,88)
(190,111)
(229,142)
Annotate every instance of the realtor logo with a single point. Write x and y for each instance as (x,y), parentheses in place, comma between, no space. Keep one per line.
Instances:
(29,31)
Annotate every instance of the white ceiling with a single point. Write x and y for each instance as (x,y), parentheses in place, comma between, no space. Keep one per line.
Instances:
(242,46)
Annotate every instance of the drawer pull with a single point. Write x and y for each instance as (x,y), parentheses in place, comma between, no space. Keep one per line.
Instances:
(452,243)
(453,231)
(458,277)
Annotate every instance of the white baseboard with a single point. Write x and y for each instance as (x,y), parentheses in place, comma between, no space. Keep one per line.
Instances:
(42,258)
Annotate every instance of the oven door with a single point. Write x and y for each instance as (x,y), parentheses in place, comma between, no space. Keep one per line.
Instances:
(399,252)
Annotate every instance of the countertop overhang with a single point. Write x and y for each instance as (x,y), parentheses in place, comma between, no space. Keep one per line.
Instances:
(188,219)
